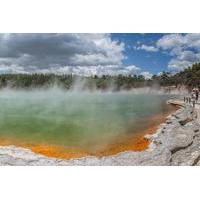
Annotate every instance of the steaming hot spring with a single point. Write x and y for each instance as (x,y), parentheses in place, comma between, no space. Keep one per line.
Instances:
(73,124)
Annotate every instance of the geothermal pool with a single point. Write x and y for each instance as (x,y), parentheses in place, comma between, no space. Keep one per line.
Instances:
(73,124)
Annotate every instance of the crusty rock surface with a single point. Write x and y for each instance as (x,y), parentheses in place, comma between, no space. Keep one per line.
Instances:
(176,142)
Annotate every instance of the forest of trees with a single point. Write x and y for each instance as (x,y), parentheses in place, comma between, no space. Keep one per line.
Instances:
(189,77)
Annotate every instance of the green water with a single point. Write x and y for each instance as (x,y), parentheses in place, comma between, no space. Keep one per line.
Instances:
(78,119)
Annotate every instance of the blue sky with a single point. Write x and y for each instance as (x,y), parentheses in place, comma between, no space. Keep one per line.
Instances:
(154,62)
(154,53)
(100,54)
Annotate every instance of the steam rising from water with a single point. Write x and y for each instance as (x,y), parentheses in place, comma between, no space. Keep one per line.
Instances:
(88,120)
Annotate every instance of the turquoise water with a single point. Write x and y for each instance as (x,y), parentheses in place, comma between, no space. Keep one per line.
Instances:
(77,119)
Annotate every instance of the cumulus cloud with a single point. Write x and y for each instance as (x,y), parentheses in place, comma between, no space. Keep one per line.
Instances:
(26,53)
(184,49)
(171,41)
(147,75)
(94,70)
(78,54)
(147,48)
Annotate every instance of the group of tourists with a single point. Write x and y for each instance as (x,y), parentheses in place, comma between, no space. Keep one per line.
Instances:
(193,98)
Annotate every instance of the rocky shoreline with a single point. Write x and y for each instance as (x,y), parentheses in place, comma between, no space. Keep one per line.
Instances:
(176,142)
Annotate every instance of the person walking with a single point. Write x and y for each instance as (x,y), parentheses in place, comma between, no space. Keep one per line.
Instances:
(189,100)
(193,99)
(196,95)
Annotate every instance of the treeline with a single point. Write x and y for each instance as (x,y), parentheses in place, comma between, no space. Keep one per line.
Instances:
(27,81)
(189,77)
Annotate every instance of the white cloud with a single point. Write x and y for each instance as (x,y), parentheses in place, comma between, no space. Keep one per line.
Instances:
(42,52)
(184,59)
(171,41)
(112,70)
(95,70)
(147,75)
(79,54)
(193,40)
(184,49)
(77,70)
(189,56)
(177,65)
(11,69)
(147,48)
